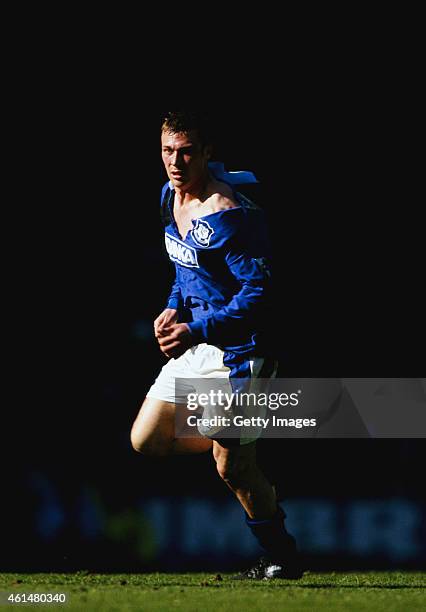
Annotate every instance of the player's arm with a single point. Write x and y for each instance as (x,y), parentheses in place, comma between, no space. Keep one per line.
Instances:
(165,323)
(175,298)
(173,338)
(169,315)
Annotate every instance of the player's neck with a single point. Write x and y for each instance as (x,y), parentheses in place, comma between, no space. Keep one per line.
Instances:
(196,191)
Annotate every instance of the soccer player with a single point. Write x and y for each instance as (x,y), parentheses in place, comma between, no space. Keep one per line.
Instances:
(214,325)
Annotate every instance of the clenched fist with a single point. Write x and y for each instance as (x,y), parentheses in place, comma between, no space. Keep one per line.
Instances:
(175,339)
(167,317)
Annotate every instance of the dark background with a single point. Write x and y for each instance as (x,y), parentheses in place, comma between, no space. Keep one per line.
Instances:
(338,191)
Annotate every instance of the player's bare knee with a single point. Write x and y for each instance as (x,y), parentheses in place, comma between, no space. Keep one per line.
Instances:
(233,475)
(152,431)
(234,465)
(151,449)
(137,441)
(234,471)
(149,446)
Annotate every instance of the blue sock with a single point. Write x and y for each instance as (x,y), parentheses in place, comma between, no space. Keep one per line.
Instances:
(273,537)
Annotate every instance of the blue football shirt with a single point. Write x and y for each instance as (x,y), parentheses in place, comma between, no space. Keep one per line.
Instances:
(223,273)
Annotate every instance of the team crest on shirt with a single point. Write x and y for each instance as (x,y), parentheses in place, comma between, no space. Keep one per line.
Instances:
(201,233)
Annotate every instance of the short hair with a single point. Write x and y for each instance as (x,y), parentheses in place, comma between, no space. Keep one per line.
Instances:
(183,122)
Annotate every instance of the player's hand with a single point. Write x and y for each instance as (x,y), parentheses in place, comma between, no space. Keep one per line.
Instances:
(175,340)
(167,317)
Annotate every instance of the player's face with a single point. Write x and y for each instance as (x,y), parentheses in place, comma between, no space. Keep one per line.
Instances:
(184,158)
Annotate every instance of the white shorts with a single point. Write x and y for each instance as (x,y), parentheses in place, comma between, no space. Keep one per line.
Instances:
(198,362)
(193,370)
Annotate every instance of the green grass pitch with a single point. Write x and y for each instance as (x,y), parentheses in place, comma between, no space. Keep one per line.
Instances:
(372,591)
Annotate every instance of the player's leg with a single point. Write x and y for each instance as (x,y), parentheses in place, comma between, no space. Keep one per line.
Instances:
(238,468)
(155,427)
(159,427)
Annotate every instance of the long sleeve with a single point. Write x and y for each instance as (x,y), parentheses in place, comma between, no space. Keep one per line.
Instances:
(175,298)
